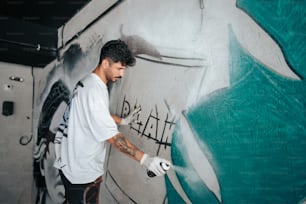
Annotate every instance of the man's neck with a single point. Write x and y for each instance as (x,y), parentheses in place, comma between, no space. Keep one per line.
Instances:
(99,72)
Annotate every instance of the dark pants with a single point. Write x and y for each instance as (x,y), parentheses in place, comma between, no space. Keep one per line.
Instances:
(81,193)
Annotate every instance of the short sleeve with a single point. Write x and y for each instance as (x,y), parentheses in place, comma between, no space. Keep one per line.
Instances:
(102,124)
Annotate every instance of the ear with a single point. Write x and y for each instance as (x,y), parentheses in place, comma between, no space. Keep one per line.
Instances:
(105,63)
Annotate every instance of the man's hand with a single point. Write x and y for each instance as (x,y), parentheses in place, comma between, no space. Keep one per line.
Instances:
(131,118)
(154,164)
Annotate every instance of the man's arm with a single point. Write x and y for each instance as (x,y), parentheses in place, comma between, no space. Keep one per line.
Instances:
(117,119)
(125,146)
(131,118)
(153,164)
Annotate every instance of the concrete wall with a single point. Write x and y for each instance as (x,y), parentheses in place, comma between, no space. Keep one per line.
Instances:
(222,91)
(16,133)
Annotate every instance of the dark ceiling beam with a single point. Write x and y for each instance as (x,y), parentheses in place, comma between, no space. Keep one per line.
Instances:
(27,43)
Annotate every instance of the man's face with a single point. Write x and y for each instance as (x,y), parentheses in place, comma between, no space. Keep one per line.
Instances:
(114,71)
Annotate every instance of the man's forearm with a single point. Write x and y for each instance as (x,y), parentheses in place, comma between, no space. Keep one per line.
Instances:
(117,119)
(126,147)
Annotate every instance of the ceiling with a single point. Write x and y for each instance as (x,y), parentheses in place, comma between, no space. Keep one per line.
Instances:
(28,29)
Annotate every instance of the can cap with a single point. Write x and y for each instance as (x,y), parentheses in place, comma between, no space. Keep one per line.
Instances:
(165,166)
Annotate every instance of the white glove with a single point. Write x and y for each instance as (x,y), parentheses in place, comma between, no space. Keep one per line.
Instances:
(154,164)
(131,118)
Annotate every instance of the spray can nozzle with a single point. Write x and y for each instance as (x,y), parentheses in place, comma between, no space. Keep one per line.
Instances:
(164,166)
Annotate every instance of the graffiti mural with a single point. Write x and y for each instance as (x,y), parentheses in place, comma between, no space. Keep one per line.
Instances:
(222,94)
(253,130)
(46,177)
(154,128)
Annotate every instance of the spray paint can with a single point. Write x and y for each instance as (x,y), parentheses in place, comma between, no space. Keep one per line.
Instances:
(163,165)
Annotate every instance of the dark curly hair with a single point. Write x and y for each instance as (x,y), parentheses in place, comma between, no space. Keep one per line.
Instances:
(117,51)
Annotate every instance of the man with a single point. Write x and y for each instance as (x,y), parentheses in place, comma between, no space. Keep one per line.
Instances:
(87,124)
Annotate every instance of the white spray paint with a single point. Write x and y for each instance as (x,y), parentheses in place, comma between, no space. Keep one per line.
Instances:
(189,175)
(198,159)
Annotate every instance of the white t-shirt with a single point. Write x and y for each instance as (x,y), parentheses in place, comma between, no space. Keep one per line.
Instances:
(80,143)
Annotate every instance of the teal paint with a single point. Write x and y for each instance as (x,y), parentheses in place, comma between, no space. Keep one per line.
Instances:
(285,21)
(255,129)
(174,198)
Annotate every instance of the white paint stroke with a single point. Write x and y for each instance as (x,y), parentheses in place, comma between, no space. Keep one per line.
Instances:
(177,186)
(218,17)
(198,159)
